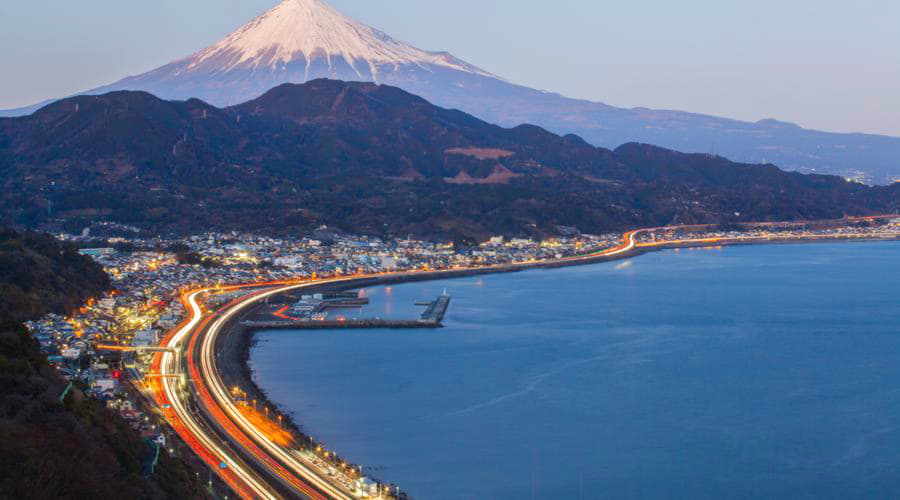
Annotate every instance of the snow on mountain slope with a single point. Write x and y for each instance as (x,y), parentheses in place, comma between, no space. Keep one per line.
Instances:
(304,30)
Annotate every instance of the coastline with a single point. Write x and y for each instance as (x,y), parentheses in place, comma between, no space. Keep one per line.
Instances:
(235,344)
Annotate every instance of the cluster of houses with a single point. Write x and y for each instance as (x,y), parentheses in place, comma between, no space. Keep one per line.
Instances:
(874,229)
(148,280)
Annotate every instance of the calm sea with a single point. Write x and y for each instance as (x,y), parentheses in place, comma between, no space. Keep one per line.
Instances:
(745,372)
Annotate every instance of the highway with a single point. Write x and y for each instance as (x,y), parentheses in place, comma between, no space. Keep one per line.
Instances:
(295,475)
(169,389)
(245,458)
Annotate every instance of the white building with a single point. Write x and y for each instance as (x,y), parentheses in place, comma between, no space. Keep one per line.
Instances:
(366,488)
(106,384)
(72,353)
(290,262)
(145,338)
(388,262)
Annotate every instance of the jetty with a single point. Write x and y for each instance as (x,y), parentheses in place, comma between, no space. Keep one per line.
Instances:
(437,310)
(433,317)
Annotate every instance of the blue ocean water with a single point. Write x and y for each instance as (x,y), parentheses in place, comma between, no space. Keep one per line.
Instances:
(743,372)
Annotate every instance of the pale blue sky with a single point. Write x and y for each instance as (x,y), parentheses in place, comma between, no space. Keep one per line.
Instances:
(828,64)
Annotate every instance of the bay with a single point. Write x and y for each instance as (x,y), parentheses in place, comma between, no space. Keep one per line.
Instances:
(740,372)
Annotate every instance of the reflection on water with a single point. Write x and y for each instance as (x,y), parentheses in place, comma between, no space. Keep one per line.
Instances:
(745,372)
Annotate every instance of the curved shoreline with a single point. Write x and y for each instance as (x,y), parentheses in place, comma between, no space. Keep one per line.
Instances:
(234,347)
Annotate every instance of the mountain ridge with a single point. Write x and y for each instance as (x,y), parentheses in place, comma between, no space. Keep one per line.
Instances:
(371,159)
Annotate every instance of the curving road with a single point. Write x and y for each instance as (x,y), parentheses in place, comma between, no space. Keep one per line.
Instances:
(171,395)
(201,410)
(296,477)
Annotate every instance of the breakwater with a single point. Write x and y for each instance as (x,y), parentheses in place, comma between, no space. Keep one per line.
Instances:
(436,310)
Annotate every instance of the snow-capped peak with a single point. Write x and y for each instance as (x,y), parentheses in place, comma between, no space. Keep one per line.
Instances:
(304,30)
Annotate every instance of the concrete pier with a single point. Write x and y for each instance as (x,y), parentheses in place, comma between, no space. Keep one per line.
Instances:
(436,310)
(431,318)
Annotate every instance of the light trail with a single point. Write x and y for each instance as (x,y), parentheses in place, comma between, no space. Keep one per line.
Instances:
(238,435)
(222,396)
(207,447)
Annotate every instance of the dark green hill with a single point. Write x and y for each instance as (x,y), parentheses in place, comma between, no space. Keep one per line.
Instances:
(374,159)
(40,275)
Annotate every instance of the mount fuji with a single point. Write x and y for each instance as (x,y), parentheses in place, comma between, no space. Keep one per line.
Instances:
(302,40)
(295,42)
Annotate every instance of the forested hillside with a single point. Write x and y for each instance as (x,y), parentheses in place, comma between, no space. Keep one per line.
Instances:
(372,159)
(49,449)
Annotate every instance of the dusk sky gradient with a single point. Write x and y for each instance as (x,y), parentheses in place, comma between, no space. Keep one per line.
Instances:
(826,64)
